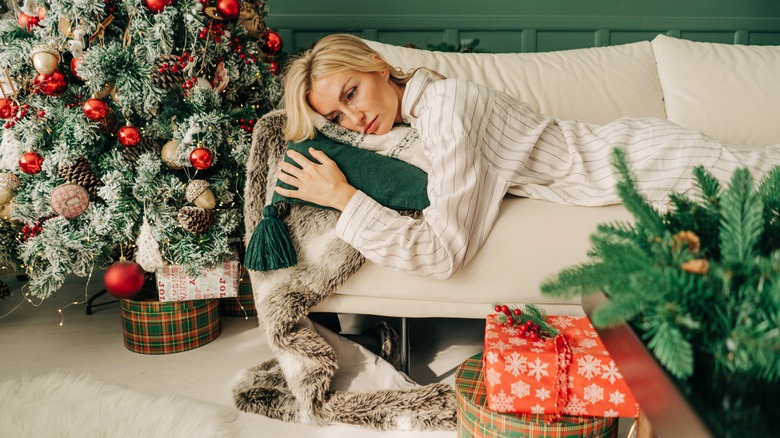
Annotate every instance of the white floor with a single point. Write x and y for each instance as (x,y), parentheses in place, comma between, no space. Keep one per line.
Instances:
(58,335)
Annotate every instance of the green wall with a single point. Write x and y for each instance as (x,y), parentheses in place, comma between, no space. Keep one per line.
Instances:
(526,25)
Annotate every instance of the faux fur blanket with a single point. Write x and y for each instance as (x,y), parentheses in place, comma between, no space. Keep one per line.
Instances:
(295,386)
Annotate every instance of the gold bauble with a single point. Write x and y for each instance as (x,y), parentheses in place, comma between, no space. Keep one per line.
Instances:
(169,157)
(116,96)
(6,210)
(45,59)
(6,195)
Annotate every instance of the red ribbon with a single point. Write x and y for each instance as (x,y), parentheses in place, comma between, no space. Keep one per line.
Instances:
(563,357)
(32,21)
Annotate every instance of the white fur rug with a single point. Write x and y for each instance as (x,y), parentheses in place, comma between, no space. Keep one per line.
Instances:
(62,405)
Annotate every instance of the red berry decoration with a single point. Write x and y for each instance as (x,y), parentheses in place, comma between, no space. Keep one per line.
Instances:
(52,84)
(201,158)
(273,67)
(8,108)
(228,9)
(505,310)
(30,162)
(272,43)
(516,312)
(497,308)
(95,109)
(129,136)
(157,5)
(124,279)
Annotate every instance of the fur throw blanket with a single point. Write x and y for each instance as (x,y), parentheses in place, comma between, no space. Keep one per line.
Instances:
(295,386)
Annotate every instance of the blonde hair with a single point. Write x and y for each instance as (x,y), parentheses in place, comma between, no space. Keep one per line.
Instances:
(332,54)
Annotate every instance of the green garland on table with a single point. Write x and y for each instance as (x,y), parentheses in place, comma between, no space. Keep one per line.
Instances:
(700,283)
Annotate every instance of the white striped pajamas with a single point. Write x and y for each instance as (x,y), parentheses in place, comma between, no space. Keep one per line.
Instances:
(483,144)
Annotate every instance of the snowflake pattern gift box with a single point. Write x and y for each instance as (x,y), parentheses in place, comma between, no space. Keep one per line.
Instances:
(521,375)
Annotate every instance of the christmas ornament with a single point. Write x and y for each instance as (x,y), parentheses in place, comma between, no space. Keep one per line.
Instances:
(229,9)
(124,279)
(81,173)
(52,84)
(146,145)
(199,193)
(167,72)
(107,87)
(129,136)
(195,219)
(45,59)
(95,109)
(273,67)
(201,158)
(220,78)
(7,210)
(30,231)
(30,162)
(69,200)
(272,43)
(9,184)
(250,19)
(115,95)
(29,21)
(74,65)
(157,5)
(169,156)
(8,108)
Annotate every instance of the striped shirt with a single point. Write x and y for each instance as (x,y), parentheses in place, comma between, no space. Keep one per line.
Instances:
(483,144)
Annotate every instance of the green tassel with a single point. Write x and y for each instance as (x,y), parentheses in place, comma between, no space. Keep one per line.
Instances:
(270,247)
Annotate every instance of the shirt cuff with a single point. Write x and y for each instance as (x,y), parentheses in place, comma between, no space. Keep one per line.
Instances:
(355,217)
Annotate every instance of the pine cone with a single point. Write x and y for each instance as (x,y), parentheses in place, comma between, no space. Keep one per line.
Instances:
(195,219)
(81,173)
(132,154)
(5,291)
(165,78)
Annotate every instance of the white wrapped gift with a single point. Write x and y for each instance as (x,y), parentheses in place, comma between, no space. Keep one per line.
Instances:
(173,284)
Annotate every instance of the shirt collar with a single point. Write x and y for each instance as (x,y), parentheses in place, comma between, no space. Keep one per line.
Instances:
(413,93)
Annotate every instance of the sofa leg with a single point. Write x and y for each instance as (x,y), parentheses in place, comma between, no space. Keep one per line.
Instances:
(404,346)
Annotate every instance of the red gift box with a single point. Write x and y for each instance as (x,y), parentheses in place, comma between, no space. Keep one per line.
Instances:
(521,375)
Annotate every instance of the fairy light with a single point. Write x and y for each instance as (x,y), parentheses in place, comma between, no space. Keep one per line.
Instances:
(86,293)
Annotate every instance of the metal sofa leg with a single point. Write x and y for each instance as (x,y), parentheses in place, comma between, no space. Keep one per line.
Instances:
(405,350)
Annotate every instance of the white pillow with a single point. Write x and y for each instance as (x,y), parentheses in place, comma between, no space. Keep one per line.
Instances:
(729,92)
(595,85)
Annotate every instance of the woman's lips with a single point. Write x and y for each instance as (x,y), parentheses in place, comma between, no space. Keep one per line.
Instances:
(370,126)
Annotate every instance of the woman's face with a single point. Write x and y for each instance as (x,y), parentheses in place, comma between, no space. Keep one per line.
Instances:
(365,102)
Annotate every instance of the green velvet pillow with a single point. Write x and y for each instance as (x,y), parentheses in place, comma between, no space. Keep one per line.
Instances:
(389,181)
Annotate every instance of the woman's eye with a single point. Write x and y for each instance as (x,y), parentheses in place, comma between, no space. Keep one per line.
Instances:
(351,93)
(336,119)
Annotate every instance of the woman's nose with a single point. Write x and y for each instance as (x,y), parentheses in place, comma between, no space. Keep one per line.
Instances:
(355,116)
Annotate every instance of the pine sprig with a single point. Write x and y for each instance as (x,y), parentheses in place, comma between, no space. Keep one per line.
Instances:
(702,281)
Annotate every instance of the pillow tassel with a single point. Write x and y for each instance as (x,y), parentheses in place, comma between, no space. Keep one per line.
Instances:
(270,247)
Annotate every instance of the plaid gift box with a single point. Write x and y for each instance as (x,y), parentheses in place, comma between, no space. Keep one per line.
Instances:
(475,420)
(523,376)
(173,284)
(154,327)
(244,304)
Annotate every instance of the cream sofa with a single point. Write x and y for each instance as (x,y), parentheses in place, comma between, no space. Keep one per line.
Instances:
(729,92)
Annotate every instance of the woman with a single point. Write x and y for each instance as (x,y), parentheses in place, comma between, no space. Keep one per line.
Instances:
(482,144)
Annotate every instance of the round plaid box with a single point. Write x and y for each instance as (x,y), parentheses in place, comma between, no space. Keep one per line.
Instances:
(244,304)
(154,327)
(475,420)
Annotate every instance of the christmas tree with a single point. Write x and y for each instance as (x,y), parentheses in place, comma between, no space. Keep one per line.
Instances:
(127,121)
(700,283)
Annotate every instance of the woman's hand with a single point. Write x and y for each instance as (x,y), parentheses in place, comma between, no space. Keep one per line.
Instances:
(322,184)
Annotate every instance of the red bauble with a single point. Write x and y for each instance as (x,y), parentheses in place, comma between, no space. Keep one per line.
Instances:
(53,84)
(273,67)
(129,136)
(201,158)
(157,5)
(41,13)
(124,279)
(74,63)
(228,9)
(30,162)
(272,43)
(95,109)
(8,108)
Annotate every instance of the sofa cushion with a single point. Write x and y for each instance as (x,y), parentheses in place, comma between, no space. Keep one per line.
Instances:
(530,241)
(595,85)
(729,92)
